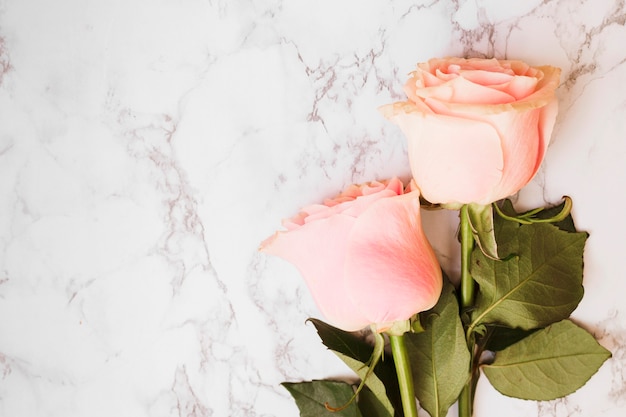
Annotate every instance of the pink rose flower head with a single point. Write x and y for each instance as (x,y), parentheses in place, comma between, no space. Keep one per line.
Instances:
(477,129)
(363,255)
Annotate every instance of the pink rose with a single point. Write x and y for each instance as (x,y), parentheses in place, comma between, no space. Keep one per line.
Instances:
(477,129)
(363,255)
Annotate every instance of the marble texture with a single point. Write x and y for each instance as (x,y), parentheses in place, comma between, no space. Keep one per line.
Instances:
(148,147)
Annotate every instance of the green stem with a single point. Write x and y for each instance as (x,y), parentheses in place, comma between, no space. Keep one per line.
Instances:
(405,377)
(465,402)
(467,290)
(467,245)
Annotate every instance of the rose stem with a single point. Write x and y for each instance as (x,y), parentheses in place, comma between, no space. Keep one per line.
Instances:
(405,377)
(467,301)
(467,245)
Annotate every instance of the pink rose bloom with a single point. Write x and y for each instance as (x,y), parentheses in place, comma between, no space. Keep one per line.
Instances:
(477,129)
(363,255)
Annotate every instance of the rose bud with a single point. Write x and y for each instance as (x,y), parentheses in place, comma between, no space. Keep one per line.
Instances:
(363,255)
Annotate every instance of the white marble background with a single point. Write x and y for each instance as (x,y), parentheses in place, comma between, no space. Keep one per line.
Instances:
(147,147)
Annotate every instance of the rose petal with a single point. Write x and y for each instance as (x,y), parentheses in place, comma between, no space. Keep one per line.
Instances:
(294,222)
(548,80)
(313,209)
(414,100)
(547,120)
(519,87)
(521,68)
(362,203)
(486,78)
(520,156)
(460,90)
(444,77)
(462,176)
(431,80)
(491,65)
(391,271)
(372,187)
(318,251)
(396,186)
(456,64)
(346,202)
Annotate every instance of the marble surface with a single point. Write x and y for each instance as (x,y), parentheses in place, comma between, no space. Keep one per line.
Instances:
(147,147)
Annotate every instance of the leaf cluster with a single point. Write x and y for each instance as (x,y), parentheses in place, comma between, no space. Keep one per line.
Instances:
(523,304)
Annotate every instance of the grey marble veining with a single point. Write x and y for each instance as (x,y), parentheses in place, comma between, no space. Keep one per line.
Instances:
(148,147)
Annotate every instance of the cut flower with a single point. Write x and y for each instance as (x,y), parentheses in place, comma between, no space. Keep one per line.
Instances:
(477,129)
(363,255)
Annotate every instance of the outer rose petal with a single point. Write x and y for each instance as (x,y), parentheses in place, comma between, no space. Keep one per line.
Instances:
(391,271)
(318,250)
(547,120)
(443,157)
(525,131)
(520,156)
(523,157)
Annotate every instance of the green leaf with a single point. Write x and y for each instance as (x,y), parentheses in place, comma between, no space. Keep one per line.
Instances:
(567,223)
(539,281)
(439,355)
(370,406)
(355,352)
(481,222)
(312,396)
(499,337)
(350,344)
(548,364)
(376,386)
(559,215)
